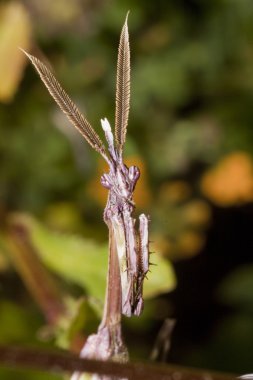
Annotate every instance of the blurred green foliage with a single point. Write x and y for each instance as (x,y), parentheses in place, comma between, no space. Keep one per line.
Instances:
(191,104)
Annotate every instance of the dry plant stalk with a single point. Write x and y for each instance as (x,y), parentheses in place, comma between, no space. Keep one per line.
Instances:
(128,246)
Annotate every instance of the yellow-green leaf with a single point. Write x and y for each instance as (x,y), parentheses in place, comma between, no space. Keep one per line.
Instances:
(77,259)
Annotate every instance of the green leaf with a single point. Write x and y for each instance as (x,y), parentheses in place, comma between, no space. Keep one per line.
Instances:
(78,260)
(81,317)
(10,374)
(17,324)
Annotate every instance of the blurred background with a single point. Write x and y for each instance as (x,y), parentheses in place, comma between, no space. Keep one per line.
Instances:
(190,132)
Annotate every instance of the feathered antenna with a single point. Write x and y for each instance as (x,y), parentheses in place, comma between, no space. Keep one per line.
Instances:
(67,106)
(122,89)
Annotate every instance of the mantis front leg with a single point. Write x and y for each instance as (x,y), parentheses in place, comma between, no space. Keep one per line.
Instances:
(143,262)
(135,262)
(120,236)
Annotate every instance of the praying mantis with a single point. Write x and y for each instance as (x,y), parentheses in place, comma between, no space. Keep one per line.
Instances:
(128,261)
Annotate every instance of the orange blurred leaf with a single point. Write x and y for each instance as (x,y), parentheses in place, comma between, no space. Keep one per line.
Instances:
(230,181)
(190,243)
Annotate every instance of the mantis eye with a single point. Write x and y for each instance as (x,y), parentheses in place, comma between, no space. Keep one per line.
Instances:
(134,173)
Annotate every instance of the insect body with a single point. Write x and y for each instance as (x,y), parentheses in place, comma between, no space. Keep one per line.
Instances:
(131,243)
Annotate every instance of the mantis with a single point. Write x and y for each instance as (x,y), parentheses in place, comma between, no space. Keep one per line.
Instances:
(128,261)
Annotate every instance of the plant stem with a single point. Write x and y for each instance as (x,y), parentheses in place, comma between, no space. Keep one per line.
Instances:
(38,280)
(58,362)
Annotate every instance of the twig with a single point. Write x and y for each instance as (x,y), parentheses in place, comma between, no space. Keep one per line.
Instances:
(58,362)
(38,280)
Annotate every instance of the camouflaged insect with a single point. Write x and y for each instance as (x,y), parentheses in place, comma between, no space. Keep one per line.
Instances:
(132,243)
